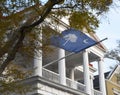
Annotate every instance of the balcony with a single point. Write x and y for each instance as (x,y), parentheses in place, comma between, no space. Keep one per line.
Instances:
(52,76)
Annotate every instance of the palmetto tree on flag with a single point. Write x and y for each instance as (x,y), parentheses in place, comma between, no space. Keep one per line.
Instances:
(72,40)
(70,37)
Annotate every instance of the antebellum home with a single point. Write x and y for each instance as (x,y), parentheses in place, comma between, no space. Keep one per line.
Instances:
(72,75)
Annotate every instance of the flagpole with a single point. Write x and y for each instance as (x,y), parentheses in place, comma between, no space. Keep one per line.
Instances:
(58,59)
(54,61)
(101,40)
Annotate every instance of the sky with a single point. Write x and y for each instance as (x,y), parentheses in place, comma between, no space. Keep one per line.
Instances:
(110,28)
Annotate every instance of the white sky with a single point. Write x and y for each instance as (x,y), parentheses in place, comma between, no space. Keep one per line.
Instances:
(110,28)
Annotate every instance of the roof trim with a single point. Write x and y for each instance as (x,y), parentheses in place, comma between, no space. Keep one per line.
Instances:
(112,72)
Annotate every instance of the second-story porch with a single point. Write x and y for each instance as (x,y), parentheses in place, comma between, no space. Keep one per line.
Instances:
(69,73)
(66,72)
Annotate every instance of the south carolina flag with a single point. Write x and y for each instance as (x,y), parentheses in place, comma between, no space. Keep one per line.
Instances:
(72,40)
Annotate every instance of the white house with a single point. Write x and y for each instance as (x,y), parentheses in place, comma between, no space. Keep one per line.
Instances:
(72,75)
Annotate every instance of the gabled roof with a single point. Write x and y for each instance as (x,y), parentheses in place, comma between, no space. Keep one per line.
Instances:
(114,70)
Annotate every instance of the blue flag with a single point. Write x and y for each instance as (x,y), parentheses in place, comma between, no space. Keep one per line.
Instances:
(72,40)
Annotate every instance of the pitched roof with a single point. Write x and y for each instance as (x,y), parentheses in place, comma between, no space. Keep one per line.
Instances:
(112,72)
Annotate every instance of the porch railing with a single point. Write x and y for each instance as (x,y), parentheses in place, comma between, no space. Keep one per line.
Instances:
(52,76)
(96,92)
(75,84)
(47,74)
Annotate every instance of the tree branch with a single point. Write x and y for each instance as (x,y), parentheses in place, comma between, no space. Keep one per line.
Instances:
(8,44)
(19,35)
(67,6)
(12,52)
(45,11)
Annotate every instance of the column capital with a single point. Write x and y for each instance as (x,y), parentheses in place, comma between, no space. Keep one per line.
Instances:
(86,50)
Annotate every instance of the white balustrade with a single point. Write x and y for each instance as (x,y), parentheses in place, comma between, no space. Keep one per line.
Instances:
(96,92)
(52,76)
(75,85)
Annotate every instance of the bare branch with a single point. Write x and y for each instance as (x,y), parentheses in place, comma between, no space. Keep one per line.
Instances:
(67,6)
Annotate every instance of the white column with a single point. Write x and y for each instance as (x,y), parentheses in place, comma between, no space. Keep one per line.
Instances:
(91,80)
(101,76)
(72,74)
(86,72)
(62,67)
(38,56)
(38,66)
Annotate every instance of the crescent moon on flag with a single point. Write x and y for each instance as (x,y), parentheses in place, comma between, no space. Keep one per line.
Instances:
(85,41)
